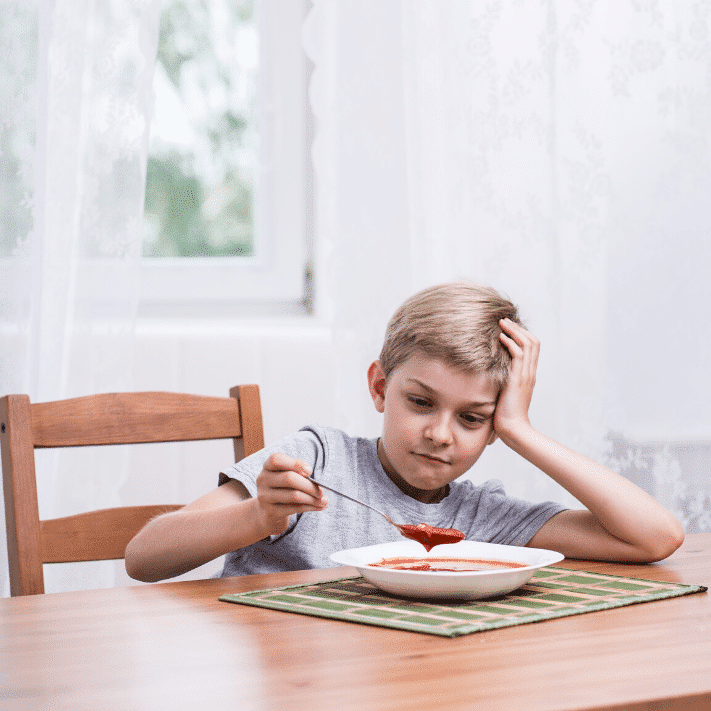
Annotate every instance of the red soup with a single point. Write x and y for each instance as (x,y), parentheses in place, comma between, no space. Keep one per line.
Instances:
(449,565)
(430,536)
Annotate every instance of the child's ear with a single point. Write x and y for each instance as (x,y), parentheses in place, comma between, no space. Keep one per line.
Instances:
(376,385)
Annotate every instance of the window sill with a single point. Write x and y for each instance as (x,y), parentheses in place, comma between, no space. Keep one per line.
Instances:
(222,310)
(235,320)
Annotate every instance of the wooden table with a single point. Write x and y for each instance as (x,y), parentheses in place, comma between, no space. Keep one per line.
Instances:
(175,646)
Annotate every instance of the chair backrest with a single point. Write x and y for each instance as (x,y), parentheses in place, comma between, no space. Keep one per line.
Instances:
(112,418)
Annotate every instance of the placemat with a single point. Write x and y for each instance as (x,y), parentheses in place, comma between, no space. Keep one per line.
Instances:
(552,592)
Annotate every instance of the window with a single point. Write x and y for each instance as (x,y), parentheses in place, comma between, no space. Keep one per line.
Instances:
(225,212)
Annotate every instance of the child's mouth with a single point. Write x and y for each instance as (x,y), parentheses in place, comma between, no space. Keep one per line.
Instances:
(430,458)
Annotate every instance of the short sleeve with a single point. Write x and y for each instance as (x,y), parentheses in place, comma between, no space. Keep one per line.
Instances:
(307,444)
(512,521)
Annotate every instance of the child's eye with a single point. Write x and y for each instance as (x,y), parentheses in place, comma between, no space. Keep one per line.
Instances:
(472,420)
(420,402)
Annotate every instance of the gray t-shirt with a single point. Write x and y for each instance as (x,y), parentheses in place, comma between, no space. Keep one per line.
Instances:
(351,465)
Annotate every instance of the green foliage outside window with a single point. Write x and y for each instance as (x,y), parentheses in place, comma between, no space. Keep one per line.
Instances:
(202,158)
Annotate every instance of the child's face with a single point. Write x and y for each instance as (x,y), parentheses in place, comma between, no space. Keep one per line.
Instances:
(437,422)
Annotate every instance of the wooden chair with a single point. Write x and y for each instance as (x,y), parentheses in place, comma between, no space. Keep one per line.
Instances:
(114,418)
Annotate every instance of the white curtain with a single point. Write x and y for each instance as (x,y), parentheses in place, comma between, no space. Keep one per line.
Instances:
(75,103)
(560,152)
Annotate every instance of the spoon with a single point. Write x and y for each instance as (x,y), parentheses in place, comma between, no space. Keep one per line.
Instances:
(428,536)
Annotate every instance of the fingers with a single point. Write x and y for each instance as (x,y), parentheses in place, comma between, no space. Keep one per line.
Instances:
(523,346)
(279,462)
(511,412)
(515,335)
(284,483)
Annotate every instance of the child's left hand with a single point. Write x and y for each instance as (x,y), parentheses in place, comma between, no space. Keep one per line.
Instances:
(628,525)
(512,407)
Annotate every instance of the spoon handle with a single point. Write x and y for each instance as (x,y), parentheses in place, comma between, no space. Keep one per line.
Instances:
(350,498)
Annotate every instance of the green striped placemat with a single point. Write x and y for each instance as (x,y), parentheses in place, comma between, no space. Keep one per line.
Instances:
(552,592)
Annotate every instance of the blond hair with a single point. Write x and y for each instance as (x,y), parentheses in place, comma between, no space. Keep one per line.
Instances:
(457,323)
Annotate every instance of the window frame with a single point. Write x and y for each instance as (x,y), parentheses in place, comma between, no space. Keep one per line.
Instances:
(276,278)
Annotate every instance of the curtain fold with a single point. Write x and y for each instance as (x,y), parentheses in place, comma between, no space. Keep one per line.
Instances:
(74,141)
(559,152)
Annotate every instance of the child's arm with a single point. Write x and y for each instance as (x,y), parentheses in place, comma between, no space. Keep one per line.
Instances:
(621,522)
(223,520)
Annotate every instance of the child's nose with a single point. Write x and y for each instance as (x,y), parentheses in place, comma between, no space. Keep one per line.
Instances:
(439,430)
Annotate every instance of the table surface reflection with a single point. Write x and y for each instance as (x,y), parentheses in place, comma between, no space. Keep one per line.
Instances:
(176,646)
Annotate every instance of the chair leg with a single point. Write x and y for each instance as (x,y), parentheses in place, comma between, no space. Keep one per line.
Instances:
(20,490)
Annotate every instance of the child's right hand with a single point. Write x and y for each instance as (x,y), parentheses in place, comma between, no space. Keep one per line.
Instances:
(283,489)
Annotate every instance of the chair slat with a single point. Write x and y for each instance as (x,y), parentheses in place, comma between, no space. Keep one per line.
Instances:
(122,418)
(95,535)
(111,418)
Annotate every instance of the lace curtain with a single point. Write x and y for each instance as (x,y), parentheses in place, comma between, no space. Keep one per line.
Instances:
(560,152)
(75,102)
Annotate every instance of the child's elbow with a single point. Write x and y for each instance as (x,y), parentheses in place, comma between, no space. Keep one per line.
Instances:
(132,571)
(141,573)
(135,566)
(666,543)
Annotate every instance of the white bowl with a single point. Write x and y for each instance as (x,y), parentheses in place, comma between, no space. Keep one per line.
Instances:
(445,584)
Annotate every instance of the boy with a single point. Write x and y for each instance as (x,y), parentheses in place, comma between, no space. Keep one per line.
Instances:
(456,372)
